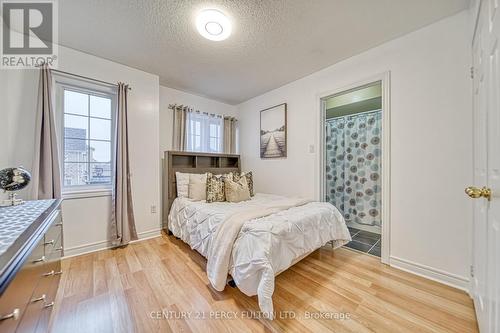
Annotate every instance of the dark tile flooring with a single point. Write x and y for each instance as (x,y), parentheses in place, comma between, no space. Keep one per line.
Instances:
(365,241)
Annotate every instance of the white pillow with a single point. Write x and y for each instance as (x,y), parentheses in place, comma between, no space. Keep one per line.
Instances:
(197,187)
(183,182)
(198,191)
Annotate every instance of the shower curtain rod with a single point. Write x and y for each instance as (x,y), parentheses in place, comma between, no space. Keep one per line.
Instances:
(355,114)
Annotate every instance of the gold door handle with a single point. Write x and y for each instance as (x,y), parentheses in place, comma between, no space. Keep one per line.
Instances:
(476,192)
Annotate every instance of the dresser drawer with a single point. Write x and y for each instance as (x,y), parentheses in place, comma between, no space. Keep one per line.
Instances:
(36,275)
(37,315)
(53,234)
(51,283)
(35,306)
(19,293)
(53,264)
(53,247)
(43,322)
(41,298)
(15,299)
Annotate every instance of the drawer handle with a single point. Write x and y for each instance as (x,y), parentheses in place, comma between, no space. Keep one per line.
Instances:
(41,259)
(51,242)
(58,273)
(48,273)
(48,305)
(41,298)
(59,249)
(58,224)
(14,315)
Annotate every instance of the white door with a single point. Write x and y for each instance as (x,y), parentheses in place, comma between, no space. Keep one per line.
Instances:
(486,231)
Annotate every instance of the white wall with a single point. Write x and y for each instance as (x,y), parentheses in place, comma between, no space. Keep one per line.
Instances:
(431,139)
(86,221)
(16,94)
(173,96)
(4,129)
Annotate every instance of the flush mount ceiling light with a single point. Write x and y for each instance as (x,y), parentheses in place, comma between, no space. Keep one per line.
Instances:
(213,25)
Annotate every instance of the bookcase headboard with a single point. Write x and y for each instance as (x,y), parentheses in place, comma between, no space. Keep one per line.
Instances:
(192,162)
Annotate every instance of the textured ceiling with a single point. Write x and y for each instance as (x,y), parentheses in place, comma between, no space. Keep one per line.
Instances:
(273,41)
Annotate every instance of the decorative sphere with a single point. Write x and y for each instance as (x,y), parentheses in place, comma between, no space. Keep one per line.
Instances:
(14,179)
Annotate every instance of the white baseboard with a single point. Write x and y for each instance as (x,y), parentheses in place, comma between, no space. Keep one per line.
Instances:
(103,245)
(147,235)
(452,280)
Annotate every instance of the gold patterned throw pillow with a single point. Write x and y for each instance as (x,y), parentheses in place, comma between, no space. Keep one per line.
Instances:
(249,177)
(237,191)
(215,187)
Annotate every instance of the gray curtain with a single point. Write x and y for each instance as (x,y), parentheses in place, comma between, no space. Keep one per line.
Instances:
(46,168)
(179,130)
(229,137)
(122,218)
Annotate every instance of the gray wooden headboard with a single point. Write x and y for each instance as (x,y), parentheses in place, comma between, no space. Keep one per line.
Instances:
(192,162)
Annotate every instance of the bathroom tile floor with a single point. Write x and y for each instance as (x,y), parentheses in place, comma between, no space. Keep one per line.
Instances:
(365,241)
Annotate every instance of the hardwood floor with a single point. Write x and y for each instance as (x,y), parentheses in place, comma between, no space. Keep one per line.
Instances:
(160,285)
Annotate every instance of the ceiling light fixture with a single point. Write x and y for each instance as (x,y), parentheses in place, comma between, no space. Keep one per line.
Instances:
(213,25)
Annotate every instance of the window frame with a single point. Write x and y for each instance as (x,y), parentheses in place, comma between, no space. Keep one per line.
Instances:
(218,138)
(64,83)
(205,121)
(194,135)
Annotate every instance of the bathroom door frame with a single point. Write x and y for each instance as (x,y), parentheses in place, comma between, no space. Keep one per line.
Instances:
(384,78)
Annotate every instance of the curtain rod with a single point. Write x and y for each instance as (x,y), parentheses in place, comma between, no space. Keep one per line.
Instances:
(174,106)
(84,77)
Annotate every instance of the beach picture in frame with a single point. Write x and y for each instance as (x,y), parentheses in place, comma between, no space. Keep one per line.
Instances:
(273,132)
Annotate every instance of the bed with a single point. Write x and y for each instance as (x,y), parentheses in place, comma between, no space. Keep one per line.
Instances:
(254,240)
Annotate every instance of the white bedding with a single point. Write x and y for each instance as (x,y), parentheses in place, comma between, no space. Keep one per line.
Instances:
(264,246)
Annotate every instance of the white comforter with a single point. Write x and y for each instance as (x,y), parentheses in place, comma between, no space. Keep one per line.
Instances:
(265,246)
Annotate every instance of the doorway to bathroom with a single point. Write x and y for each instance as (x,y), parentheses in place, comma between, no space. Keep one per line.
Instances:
(354,162)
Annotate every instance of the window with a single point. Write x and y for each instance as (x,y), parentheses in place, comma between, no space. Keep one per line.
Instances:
(204,132)
(214,136)
(86,122)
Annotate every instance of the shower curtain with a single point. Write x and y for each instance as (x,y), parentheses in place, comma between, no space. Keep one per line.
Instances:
(353,167)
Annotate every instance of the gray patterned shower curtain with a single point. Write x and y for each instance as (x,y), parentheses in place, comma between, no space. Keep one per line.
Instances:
(353,166)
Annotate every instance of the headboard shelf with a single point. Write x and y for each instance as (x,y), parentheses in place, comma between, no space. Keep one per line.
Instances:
(229,162)
(192,162)
(207,161)
(182,161)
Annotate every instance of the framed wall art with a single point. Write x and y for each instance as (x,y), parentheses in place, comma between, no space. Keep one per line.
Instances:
(273,132)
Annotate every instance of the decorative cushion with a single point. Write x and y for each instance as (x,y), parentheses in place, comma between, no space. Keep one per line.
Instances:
(182,184)
(198,186)
(249,177)
(237,191)
(215,187)
(182,180)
